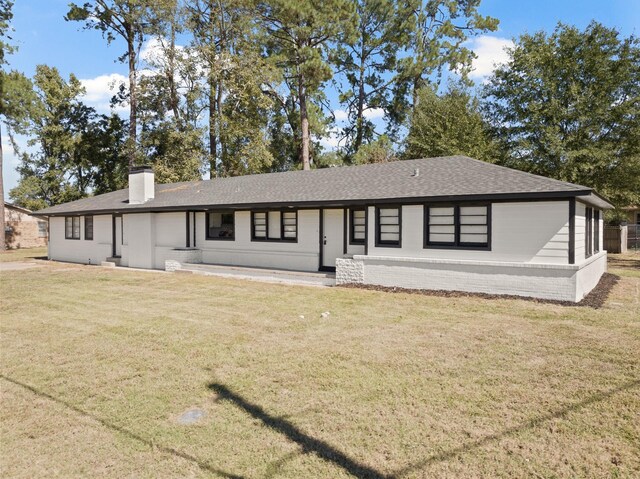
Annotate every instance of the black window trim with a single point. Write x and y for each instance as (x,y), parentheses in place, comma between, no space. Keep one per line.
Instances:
(456,244)
(352,240)
(88,237)
(206,228)
(388,244)
(266,239)
(65,227)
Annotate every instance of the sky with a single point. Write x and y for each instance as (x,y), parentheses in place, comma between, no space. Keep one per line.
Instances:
(44,37)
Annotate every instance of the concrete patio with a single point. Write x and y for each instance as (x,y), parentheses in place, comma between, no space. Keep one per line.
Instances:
(261,274)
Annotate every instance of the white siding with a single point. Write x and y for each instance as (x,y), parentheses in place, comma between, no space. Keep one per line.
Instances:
(580,231)
(170,233)
(140,231)
(529,232)
(81,251)
(601,230)
(302,255)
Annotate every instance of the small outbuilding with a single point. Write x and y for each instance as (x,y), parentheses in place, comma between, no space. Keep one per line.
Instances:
(23,228)
(449,223)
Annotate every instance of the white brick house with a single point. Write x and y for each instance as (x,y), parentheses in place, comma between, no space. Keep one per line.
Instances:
(450,223)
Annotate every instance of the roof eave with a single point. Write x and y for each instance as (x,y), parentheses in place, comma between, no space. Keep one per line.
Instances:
(587,195)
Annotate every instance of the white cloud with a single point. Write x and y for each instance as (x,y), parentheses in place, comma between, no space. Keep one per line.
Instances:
(491,52)
(332,140)
(373,113)
(341,115)
(152,51)
(369,114)
(100,89)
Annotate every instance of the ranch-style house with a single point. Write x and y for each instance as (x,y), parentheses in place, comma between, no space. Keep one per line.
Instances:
(449,223)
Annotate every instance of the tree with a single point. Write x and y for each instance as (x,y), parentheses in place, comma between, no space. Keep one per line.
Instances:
(298,33)
(440,29)
(9,110)
(445,125)
(5,18)
(169,106)
(104,144)
(226,40)
(56,123)
(378,151)
(127,19)
(367,64)
(565,105)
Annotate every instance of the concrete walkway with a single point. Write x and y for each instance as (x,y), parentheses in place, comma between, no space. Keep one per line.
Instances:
(263,274)
(17,265)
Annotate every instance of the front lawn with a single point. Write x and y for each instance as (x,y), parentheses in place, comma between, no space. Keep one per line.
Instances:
(98,365)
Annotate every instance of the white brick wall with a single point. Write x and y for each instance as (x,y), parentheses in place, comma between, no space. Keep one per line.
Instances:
(546,281)
(349,271)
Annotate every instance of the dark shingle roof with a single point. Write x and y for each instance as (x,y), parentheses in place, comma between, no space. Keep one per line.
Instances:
(452,177)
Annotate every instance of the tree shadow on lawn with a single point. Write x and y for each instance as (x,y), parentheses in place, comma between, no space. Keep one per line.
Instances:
(331,454)
(308,443)
(319,447)
(119,429)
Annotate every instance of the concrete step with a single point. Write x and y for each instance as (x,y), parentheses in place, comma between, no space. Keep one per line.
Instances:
(111,262)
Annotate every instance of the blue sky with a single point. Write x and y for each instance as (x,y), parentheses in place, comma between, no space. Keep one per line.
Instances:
(43,37)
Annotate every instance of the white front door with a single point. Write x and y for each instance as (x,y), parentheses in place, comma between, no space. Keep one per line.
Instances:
(332,236)
(117,222)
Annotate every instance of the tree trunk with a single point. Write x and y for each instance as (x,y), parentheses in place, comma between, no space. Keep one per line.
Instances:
(133,104)
(171,73)
(304,125)
(222,137)
(213,143)
(3,244)
(360,117)
(417,84)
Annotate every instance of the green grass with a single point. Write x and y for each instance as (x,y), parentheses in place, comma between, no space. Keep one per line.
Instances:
(98,364)
(25,254)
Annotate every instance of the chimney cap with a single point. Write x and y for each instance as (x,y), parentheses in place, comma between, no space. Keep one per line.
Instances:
(140,169)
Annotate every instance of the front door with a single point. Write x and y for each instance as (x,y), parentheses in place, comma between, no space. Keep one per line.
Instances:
(332,241)
(117,236)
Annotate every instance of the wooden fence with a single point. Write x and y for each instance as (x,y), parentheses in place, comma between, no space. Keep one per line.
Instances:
(615,239)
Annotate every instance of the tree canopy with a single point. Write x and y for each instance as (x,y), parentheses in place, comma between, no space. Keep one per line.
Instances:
(566,105)
(449,124)
(233,87)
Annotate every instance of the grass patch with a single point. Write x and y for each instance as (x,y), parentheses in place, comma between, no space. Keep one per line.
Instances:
(23,254)
(98,364)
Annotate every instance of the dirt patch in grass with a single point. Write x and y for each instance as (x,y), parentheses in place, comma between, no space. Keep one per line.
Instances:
(595,299)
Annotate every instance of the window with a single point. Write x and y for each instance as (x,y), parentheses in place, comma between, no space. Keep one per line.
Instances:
(221,225)
(72,227)
(42,229)
(588,233)
(457,226)
(357,221)
(274,225)
(259,224)
(289,225)
(388,226)
(596,234)
(88,228)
